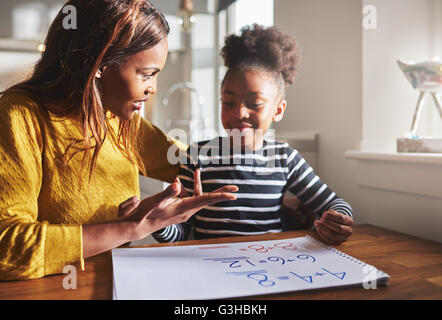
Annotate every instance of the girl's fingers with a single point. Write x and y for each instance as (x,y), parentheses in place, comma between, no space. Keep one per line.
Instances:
(325,237)
(338,228)
(337,217)
(328,235)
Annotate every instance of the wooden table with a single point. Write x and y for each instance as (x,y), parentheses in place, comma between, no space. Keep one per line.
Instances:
(414,265)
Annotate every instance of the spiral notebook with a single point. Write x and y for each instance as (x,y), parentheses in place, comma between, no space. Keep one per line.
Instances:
(239,269)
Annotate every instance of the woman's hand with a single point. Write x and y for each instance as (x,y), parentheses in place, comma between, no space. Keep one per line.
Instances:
(137,219)
(126,207)
(166,208)
(334,227)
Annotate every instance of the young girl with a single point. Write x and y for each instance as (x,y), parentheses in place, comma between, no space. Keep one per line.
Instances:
(261,63)
(72,144)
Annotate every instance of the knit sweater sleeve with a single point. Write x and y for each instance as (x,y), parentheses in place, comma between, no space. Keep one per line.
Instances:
(29,248)
(159,152)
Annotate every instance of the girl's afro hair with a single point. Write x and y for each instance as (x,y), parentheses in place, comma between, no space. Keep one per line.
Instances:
(268,48)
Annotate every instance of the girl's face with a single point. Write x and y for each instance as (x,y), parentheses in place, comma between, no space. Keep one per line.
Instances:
(125,88)
(250,103)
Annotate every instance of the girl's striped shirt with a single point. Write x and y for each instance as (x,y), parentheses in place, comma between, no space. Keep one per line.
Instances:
(262,176)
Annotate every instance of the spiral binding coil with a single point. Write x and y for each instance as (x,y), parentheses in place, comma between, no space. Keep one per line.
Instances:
(346,256)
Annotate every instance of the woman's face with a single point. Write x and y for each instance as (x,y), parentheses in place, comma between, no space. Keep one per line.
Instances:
(125,88)
(250,103)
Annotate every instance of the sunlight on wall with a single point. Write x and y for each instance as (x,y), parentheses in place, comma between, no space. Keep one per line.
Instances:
(247,12)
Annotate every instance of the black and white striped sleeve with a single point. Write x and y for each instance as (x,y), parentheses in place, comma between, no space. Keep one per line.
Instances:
(173,233)
(340,205)
(307,186)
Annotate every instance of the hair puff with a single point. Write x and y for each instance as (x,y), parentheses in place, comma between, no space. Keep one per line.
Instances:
(268,48)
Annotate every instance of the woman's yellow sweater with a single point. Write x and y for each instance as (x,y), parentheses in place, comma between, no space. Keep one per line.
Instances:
(42,206)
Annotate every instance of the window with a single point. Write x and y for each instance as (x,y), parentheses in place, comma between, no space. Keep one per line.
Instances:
(247,12)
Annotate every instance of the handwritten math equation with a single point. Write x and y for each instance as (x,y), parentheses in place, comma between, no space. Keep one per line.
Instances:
(290,259)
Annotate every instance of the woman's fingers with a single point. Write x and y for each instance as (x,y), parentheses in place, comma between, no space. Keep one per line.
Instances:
(229,188)
(197,203)
(166,208)
(126,207)
(171,191)
(197,186)
(127,202)
(183,192)
(131,207)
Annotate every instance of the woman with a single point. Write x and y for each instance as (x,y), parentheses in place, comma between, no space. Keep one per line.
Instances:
(72,144)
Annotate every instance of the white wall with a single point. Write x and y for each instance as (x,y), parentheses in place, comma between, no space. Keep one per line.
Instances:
(408,194)
(326,97)
(352,93)
(406,30)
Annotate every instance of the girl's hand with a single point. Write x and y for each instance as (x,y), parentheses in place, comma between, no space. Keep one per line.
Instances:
(334,227)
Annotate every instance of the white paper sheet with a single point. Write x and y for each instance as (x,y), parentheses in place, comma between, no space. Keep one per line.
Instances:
(235,270)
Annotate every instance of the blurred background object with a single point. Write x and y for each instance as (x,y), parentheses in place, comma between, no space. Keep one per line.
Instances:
(427,78)
(185,13)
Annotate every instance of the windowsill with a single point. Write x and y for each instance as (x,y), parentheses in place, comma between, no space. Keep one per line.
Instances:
(410,173)
(424,158)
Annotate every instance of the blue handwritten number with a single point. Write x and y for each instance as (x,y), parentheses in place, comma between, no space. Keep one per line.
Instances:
(250,263)
(308,279)
(232,265)
(339,275)
(263,282)
(276,259)
(306,257)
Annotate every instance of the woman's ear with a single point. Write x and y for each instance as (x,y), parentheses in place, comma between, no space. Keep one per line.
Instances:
(279,112)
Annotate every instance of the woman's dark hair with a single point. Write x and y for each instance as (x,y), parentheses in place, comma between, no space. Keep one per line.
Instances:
(268,49)
(64,83)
